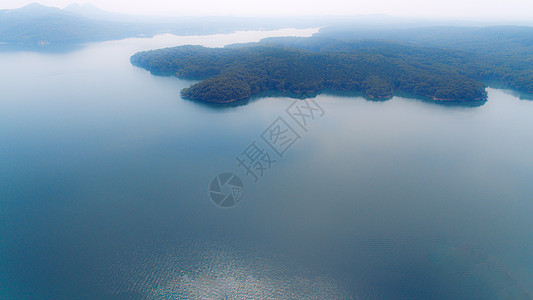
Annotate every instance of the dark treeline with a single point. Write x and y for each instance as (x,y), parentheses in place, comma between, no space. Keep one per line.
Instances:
(501,54)
(379,69)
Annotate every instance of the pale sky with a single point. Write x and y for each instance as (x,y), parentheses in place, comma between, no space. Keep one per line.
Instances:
(479,9)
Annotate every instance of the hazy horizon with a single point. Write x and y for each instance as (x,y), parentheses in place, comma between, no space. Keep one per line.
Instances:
(491,10)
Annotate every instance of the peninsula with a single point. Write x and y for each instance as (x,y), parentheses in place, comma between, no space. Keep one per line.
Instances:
(302,66)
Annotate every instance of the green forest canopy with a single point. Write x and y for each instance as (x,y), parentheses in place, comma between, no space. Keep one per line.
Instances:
(377,68)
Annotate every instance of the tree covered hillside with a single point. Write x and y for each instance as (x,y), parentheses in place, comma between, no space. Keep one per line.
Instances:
(379,71)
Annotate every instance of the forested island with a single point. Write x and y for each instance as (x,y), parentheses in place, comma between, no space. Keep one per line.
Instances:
(377,68)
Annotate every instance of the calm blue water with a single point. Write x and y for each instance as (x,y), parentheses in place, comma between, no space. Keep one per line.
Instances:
(104,174)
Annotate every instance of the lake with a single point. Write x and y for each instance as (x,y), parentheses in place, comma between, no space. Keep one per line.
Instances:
(105,180)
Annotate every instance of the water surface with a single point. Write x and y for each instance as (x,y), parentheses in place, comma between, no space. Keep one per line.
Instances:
(104,174)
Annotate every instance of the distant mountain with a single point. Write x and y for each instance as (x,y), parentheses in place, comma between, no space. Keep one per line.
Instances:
(10,17)
(92,12)
(88,10)
(38,27)
(31,11)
